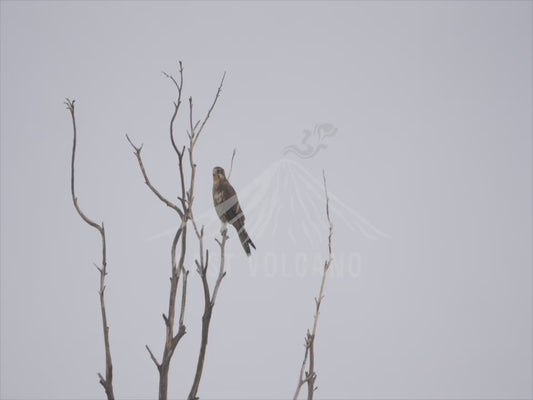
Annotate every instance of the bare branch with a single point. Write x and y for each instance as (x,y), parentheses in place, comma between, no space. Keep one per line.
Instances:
(98,268)
(171,340)
(186,200)
(185,274)
(153,357)
(147,180)
(330,258)
(301,379)
(231,166)
(107,383)
(195,137)
(175,340)
(177,104)
(209,303)
(70,107)
(191,126)
(202,272)
(309,356)
(221,272)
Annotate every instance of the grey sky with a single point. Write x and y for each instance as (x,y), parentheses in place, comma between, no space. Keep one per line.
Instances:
(430,166)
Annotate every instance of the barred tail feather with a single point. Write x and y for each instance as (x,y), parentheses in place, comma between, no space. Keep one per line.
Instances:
(246,241)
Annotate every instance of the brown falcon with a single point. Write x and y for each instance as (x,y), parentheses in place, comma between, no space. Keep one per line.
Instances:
(228,208)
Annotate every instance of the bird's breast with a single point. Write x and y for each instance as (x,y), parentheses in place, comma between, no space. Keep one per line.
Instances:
(218,196)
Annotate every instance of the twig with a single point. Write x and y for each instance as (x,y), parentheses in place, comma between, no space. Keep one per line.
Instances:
(310,374)
(221,272)
(183,296)
(147,180)
(153,358)
(231,166)
(195,137)
(177,104)
(106,382)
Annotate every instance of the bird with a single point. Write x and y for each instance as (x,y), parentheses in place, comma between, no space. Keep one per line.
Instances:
(228,208)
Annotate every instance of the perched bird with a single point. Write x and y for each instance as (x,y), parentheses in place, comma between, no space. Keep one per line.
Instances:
(228,208)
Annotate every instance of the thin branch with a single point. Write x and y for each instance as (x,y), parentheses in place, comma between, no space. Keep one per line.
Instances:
(106,382)
(309,356)
(171,340)
(70,107)
(147,180)
(221,272)
(301,379)
(177,104)
(209,304)
(205,285)
(153,358)
(185,274)
(191,126)
(231,166)
(195,136)
(186,200)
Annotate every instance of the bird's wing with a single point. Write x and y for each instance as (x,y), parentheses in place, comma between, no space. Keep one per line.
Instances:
(227,203)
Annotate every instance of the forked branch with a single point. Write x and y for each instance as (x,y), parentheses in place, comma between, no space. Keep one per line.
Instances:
(177,103)
(203,262)
(309,356)
(137,153)
(195,134)
(178,270)
(106,382)
(209,304)
(184,209)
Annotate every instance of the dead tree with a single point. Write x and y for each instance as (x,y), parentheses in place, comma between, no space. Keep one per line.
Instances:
(106,382)
(309,356)
(209,303)
(184,210)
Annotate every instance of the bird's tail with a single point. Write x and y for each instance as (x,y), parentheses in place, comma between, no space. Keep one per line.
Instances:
(245,241)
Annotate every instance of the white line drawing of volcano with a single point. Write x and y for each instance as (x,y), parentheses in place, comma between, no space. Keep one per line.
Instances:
(286,201)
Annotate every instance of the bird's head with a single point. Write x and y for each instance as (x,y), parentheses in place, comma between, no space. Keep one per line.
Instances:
(218,174)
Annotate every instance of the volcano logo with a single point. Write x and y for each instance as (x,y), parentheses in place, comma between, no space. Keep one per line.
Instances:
(312,142)
(286,201)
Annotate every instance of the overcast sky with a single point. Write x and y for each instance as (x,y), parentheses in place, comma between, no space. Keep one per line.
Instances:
(420,114)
